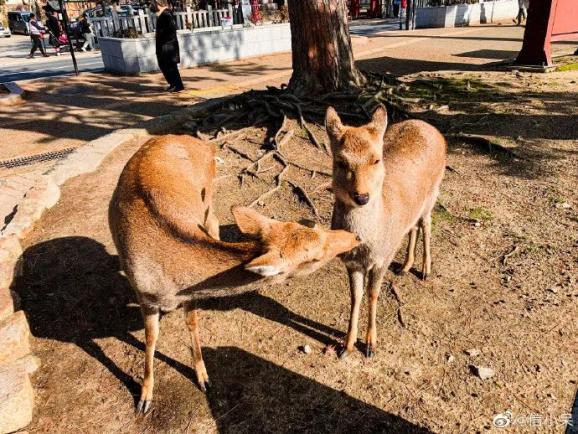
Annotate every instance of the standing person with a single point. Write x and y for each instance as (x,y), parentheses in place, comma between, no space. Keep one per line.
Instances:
(167,46)
(36,30)
(396,7)
(55,30)
(522,11)
(86,30)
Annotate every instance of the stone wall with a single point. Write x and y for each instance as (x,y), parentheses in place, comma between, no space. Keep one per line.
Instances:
(213,45)
(466,14)
(16,361)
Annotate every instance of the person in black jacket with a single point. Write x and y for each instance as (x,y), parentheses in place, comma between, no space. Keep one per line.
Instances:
(167,46)
(55,29)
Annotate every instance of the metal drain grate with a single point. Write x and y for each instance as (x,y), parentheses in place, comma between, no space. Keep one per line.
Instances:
(38,158)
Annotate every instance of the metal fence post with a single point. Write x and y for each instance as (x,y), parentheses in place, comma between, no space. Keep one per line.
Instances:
(210,9)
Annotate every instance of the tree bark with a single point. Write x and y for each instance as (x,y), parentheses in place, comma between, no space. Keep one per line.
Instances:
(322,54)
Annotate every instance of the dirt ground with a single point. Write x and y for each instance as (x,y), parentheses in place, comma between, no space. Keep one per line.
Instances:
(504,286)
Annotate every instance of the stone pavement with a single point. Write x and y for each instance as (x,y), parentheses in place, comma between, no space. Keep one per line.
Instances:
(66,112)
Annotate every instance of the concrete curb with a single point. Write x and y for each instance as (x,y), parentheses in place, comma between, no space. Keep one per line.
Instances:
(15,95)
(16,361)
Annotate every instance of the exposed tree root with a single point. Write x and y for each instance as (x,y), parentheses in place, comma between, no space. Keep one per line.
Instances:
(237,151)
(267,108)
(278,182)
(305,197)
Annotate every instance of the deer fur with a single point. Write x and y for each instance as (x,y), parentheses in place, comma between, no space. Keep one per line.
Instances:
(386,185)
(167,237)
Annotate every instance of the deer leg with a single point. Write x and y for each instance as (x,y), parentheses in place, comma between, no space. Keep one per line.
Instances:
(151,322)
(375,280)
(410,257)
(192,320)
(212,224)
(356,283)
(426,231)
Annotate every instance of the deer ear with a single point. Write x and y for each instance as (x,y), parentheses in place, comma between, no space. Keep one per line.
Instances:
(266,265)
(333,125)
(250,222)
(378,123)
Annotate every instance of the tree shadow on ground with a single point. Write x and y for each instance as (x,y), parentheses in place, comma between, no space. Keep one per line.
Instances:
(401,67)
(524,119)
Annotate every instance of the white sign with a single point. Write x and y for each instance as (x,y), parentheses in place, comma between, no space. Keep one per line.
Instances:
(226,22)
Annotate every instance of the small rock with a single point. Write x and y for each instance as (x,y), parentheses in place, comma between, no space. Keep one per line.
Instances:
(450,358)
(482,372)
(306,349)
(472,352)
(553,289)
(563,205)
(219,160)
(477,224)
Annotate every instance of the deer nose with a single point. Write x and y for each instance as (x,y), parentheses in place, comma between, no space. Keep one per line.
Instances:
(361,198)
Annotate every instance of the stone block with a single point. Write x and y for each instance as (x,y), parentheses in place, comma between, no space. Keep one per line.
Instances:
(29,364)
(6,303)
(14,338)
(10,251)
(16,400)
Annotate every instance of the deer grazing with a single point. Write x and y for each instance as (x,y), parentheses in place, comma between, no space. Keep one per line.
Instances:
(167,237)
(386,185)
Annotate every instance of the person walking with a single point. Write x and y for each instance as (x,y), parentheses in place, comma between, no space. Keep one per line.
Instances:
(167,45)
(55,30)
(522,12)
(36,30)
(86,30)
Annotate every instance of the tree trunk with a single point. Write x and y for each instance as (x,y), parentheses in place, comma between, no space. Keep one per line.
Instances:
(322,55)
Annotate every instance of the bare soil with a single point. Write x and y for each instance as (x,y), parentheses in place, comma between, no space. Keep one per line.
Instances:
(505,252)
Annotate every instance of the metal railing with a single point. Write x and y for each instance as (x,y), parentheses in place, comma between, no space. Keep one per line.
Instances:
(145,21)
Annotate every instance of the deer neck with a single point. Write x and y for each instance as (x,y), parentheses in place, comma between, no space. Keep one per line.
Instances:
(222,271)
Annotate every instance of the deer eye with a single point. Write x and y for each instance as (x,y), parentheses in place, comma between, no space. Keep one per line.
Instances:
(376,162)
(341,164)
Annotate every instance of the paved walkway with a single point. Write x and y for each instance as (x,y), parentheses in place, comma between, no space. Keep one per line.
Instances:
(65,112)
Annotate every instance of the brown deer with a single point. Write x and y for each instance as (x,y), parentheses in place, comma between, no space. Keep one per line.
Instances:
(166,235)
(386,185)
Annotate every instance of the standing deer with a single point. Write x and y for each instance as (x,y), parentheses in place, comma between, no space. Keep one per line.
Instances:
(167,238)
(385,187)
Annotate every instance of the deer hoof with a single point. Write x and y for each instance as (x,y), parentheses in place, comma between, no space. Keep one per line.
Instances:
(143,407)
(400,271)
(369,351)
(344,352)
(205,386)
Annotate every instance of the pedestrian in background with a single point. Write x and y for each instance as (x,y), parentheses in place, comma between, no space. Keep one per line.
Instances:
(522,11)
(167,45)
(36,30)
(55,30)
(396,7)
(86,30)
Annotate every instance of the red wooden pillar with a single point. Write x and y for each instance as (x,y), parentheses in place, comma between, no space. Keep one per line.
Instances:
(355,9)
(536,46)
(548,20)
